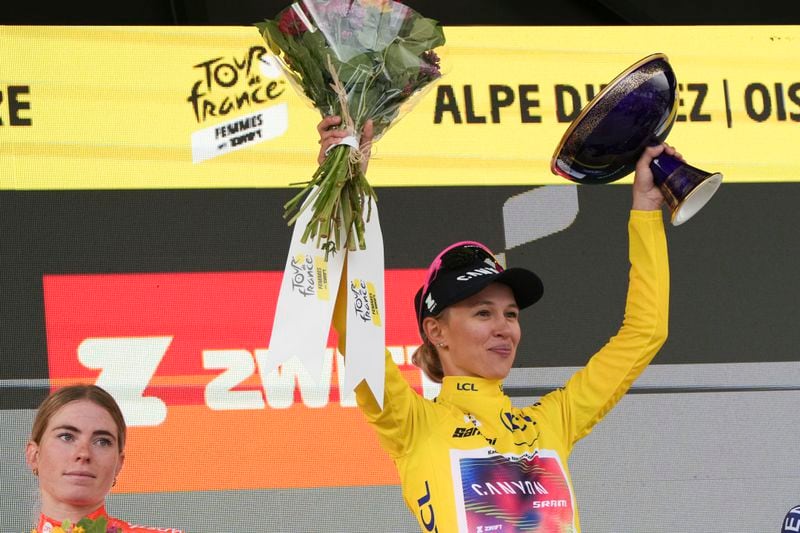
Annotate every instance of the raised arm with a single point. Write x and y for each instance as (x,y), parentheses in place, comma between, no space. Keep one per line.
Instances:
(594,390)
(395,423)
(401,405)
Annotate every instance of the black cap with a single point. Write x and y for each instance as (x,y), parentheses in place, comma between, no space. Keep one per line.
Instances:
(466,268)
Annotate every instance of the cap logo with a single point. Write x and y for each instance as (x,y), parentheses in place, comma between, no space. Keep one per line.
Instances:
(430,303)
(478,272)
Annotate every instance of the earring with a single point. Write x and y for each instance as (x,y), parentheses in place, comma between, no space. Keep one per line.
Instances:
(36,472)
(115,483)
(441,345)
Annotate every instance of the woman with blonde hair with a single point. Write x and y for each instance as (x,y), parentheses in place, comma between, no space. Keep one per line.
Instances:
(469,460)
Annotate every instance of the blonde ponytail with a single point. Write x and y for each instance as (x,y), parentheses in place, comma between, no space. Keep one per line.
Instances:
(426,357)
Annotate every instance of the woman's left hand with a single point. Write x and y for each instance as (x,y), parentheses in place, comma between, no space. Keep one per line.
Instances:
(646,194)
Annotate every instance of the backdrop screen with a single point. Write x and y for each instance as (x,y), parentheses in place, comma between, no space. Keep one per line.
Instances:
(144,251)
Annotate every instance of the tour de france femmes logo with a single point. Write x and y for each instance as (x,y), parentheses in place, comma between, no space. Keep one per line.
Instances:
(365,301)
(240,96)
(309,276)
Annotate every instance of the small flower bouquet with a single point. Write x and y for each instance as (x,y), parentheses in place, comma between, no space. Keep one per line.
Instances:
(85,525)
(362,60)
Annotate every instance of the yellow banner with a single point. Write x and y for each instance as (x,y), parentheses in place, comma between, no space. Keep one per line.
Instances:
(163,107)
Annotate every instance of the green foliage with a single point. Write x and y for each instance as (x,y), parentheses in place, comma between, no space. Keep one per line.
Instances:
(362,60)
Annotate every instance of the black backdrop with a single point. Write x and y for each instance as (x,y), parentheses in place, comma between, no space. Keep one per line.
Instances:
(449,12)
(734,266)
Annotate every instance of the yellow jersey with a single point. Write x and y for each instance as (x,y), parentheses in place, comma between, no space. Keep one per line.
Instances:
(470,461)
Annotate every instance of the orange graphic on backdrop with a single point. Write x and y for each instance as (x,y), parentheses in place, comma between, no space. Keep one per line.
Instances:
(299,435)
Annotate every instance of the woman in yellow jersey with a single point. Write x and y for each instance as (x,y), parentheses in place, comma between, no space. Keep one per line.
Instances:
(469,460)
(76,450)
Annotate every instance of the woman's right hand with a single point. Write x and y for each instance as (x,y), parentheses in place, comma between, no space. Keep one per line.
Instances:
(330,135)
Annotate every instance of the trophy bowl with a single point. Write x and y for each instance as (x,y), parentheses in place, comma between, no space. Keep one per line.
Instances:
(636,110)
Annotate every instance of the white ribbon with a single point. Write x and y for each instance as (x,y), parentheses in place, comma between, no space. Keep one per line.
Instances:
(305,302)
(366,317)
(351,141)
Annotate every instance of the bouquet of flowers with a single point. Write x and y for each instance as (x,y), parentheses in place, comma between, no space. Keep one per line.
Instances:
(362,60)
(86,525)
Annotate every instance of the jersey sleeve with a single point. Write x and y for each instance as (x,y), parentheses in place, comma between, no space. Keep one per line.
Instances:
(594,390)
(403,408)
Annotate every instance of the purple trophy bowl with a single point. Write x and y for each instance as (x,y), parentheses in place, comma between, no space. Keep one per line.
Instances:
(636,110)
